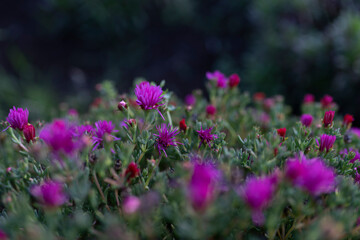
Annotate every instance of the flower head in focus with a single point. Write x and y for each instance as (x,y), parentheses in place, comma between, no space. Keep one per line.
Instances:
(205,136)
(166,137)
(18,118)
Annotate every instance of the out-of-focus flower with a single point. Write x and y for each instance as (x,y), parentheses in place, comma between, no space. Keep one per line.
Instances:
(58,135)
(166,137)
(306,120)
(257,193)
(308,98)
(348,119)
(122,105)
(219,77)
(268,104)
(29,132)
(3,235)
(210,110)
(328,118)
(84,129)
(347,151)
(311,175)
(281,132)
(103,128)
(73,112)
(234,80)
(132,171)
(190,100)
(326,101)
(326,142)
(355,131)
(259,96)
(131,204)
(18,118)
(205,136)
(182,125)
(50,193)
(149,96)
(202,185)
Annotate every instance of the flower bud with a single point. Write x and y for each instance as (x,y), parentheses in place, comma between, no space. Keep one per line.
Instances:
(234,80)
(182,125)
(328,118)
(122,105)
(29,132)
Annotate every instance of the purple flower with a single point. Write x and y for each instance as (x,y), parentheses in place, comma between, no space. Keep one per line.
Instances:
(190,100)
(206,136)
(257,193)
(58,135)
(202,185)
(326,142)
(355,131)
(103,128)
(149,96)
(18,118)
(50,193)
(219,77)
(166,137)
(306,120)
(311,175)
(3,235)
(84,129)
(131,204)
(346,152)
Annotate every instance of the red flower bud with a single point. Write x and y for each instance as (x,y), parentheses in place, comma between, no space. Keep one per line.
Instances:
(234,80)
(132,171)
(182,125)
(122,105)
(348,119)
(259,96)
(211,109)
(29,132)
(328,118)
(281,132)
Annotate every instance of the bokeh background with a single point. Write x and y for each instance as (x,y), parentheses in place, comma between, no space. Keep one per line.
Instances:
(54,51)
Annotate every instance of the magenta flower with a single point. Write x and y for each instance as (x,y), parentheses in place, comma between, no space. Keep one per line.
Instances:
(50,193)
(257,193)
(190,100)
(18,118)
(326,142)
(328,118)
(3,235)
(58,135)
(355,131)
(149,96)
(202,185)
(346,152)
(166,138)
(206,136)
(306,120)
(326,101)
(103,128)
(309,98)
(219,77)
(311,175)
(84,130)
(131,204)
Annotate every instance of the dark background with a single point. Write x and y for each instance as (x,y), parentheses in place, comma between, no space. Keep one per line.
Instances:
(54,51)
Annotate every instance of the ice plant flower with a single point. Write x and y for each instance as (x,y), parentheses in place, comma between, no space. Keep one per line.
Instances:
(306,120)
(132,171)
(355,131)
(328,118)
(234,80)
(103,128)
(190,100)
(219,77)
(84,130)
(149,96)
(348,119)
(205,136)
(210,110)
(326,101)
(311,175)
(268,104)
(131,204)
(281,132)
(202,185)
(29,132)
(182,125)
(257,193)
(326,142)
(308,98)
(166,137)
(347,151)
(50,193)
(58,135)
(18,118)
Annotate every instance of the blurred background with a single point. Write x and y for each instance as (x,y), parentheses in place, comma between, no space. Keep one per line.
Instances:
(54,51)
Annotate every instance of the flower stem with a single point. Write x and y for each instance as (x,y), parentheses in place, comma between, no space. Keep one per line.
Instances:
(99,188)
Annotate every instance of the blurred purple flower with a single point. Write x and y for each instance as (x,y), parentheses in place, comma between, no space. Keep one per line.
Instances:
(131,204)
(355,131)
(306,120)
(103,128)
(50,193)
(190,100)
(326,142)
(202,185)
(219,77)
(166,137)
(206,136)
(18,118)
(346,152)
(149,96)
(308,98)
(311,175)
(3,235)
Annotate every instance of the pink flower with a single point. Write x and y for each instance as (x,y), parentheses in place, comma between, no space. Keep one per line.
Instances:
(18,118)
(348,119)
(210,110)
(346,152)
(306,120)
(122,105)
(103,128)
(202,185)
(206,136)
(355,131)
(234,80)
(311,175)
(49,193)
(328,118)
(219,77)
(131,204)
(326,142)
(190,100)
(308,98)
(149,96)
(166,138)
(326,101)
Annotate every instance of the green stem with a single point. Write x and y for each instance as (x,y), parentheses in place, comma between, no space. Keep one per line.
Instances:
(151,174)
